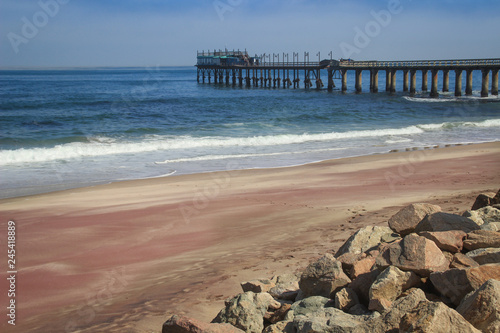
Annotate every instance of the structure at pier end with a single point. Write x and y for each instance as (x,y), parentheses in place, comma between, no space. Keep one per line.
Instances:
(266,70)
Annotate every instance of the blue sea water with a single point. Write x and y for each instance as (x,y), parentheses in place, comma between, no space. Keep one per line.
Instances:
(71,128)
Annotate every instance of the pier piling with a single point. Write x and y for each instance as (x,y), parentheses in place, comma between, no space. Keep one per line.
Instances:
(458,82)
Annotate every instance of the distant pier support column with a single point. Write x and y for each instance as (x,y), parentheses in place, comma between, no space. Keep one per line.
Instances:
(405,80)
(374,80)
(413,82)
(458,82)
(485,84)
(494,82)
(424,79)
(388,77)
(344,79)
(393,81)
(468,84)
(359,79)
(446,80)
(331,84)
(241,78)
(434,87)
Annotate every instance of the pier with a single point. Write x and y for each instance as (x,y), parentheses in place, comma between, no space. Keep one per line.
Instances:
(281,70)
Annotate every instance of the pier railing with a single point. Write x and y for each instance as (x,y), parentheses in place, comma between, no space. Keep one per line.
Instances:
(421,63)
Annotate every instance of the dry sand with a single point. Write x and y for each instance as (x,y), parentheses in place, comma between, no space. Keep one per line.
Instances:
(123,257)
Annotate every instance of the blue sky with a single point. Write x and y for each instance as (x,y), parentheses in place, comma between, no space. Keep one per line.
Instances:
(80,33)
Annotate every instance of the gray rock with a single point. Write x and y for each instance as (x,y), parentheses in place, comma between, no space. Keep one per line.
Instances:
(484,215)
(286,288)
(246,311)
(446,222)
(485,256)
(327,320)
(492,226)
(257,286)
(435,317)
(405,221)
(309,305)
(482,307)
(181,324)
(323,277)
(364,239)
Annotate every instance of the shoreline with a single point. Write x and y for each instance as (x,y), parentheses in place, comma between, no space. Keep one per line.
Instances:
(62,187)
(125,255)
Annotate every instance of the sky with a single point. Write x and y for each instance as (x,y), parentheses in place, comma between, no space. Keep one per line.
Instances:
(97,33)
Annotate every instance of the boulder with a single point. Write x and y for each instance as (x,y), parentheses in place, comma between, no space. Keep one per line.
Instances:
(327,320)
(451,241)
(246,311)
(282,326)
(435,317)
(484,215)
(482,239)
(389,321)
(273,317)
(345,299)
(361,285)
(309,305)
(286,288)
(485,199)
(482,307)
(361,267)
(363,240)
(492,226)
(349,259)
(460,260)
(388,287)
(457,282)
(181,324)
(485,256)
(446,222)
(257,286)
(405,221)
(414,253)
(323,277)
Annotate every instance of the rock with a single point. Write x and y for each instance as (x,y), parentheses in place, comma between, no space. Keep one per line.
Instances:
(361,267)
(435,317)
(388,286)
(405,221)
(446,222)
(389,321)
(482,307)
(361,285)
(485,256)
(492,226)
(257,286)
(414,253)
(457,282)
(282,326)
(482,239)
(349,259)
(483,200)
(309,305)
(359,310)
(327,320)
(323,277)
(278,315)
(246,311)
(363,240)
(181,324)
(460,260)
(484,215)
(451,241)
(286,288)
(345,299)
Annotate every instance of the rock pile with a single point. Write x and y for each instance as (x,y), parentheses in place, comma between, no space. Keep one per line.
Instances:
(428,271)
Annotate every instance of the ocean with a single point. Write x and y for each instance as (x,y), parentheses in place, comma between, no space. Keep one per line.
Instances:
(70,128)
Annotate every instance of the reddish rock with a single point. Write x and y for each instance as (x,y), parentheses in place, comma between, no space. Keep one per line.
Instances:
(458,282)
(490,255)
(446,222)
(486,199)
(405,221)
(181,324)
(349,259)
(278,315)
(414,253)
(460,260)
(451,241)
(345,299)
(361,267)
(479,239)
(361,285)
(257,286)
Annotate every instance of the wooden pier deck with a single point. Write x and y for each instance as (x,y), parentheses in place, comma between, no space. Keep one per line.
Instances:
(263,72)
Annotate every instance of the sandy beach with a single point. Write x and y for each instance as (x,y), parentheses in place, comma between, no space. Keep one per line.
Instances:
(123,257)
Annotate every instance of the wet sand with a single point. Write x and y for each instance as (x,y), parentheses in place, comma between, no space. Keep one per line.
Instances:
(123,257)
